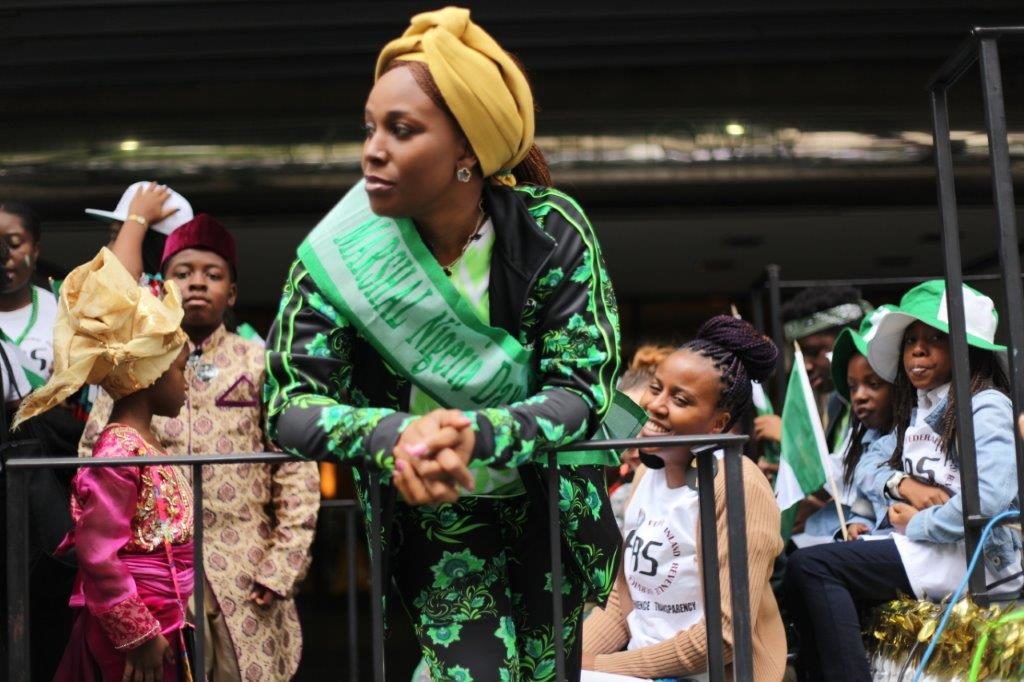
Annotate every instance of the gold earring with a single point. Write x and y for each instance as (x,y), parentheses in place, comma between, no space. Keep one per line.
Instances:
(463,174)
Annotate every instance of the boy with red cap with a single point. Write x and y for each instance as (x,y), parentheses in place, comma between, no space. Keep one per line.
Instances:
(252,559)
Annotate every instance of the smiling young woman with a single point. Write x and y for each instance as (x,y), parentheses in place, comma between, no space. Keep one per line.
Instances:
(447,323)
(653,624)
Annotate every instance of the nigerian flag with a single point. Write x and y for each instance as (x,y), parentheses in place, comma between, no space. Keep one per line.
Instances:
(803,451)
(763,406)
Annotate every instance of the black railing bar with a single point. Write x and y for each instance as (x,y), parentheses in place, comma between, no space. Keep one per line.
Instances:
(875,281)
(350,550)
(1006,226)
(19,665)
(377,576)
(174,460)
(659,441)
(956,64)
(277,458)
(966,54)
(981,520)
(777,331)
(739,583)
(709,562)
(346,504)
(555,547)
(198,588)
(961,390)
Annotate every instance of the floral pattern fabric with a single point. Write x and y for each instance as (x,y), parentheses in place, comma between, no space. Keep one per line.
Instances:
(331,395)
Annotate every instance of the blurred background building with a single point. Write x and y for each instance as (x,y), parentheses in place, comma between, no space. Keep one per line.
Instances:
(705,138)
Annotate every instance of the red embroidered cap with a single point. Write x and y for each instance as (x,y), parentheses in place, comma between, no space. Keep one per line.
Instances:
(202,232)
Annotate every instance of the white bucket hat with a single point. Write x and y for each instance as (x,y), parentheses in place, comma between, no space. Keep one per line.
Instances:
(927,302)
(165,226)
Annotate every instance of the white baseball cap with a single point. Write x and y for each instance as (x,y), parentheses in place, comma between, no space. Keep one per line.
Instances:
(165,226)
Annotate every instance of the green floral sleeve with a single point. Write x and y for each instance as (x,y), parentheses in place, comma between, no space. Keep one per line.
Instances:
(313,408)
(575,333)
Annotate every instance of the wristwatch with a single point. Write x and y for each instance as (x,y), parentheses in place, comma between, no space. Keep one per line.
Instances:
(139,219)
(892,486)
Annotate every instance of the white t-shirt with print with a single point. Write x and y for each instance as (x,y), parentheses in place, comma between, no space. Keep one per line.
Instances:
(37,344)
(660,561)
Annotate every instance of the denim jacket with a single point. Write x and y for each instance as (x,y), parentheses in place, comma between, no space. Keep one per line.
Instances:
(997,480)
(825,521)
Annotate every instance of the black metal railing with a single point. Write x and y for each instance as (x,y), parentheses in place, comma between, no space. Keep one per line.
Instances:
(704,448)
(980,46)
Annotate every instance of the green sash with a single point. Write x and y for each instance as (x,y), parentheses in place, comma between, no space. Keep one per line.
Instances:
(380,275)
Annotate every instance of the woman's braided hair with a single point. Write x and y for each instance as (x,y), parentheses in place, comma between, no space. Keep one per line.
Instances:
(532,170)
(986,373)
(740,353)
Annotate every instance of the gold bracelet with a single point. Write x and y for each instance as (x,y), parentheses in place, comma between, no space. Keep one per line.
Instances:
(139,219)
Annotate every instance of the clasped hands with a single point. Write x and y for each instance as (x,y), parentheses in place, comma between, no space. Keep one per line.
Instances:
(919,495)
(432,457)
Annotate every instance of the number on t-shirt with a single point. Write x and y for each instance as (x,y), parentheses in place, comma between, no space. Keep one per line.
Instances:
(639,550)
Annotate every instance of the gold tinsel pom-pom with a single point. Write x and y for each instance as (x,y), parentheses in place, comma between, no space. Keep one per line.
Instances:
(903,628)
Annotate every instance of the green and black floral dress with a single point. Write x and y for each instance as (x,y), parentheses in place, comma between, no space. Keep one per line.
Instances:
(475,575)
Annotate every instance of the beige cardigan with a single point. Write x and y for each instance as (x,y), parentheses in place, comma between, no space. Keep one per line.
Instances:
(606,634)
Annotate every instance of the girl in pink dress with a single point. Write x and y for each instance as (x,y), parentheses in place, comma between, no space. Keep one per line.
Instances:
(133,525)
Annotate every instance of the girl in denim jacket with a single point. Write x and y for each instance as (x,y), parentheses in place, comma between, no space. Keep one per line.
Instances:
(913,478)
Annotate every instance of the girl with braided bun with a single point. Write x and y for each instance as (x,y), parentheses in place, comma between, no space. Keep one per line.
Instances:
(653,624)
(448,323)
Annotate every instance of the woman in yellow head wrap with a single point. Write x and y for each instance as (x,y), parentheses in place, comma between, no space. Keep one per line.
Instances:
(133,525)
(449,322)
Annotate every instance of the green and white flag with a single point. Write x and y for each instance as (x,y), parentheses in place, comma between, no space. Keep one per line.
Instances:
(804,453)
(763,406)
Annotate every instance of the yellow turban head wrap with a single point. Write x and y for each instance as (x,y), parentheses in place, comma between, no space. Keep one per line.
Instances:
(482,85)
(109,331)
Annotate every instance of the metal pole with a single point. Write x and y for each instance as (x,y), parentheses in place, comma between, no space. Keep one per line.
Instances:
(555,546)
(199,586)
(18,618)
(1009,256)
(757,309)
(350,551)
(775,313)
(957,329)
(735,509)
(377,576)
(709,561)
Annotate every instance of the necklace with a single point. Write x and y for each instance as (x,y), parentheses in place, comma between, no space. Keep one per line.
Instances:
(33,314)
(472,238)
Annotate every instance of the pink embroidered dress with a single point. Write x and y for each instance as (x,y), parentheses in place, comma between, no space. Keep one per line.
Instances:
(124,590)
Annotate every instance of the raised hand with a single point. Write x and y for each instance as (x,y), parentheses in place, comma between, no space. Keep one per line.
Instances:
(148,203)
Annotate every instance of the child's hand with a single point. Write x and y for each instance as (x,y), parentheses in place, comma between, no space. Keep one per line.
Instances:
(921,495)
(855,530)
(262,596)
(145,663)
(900,515)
